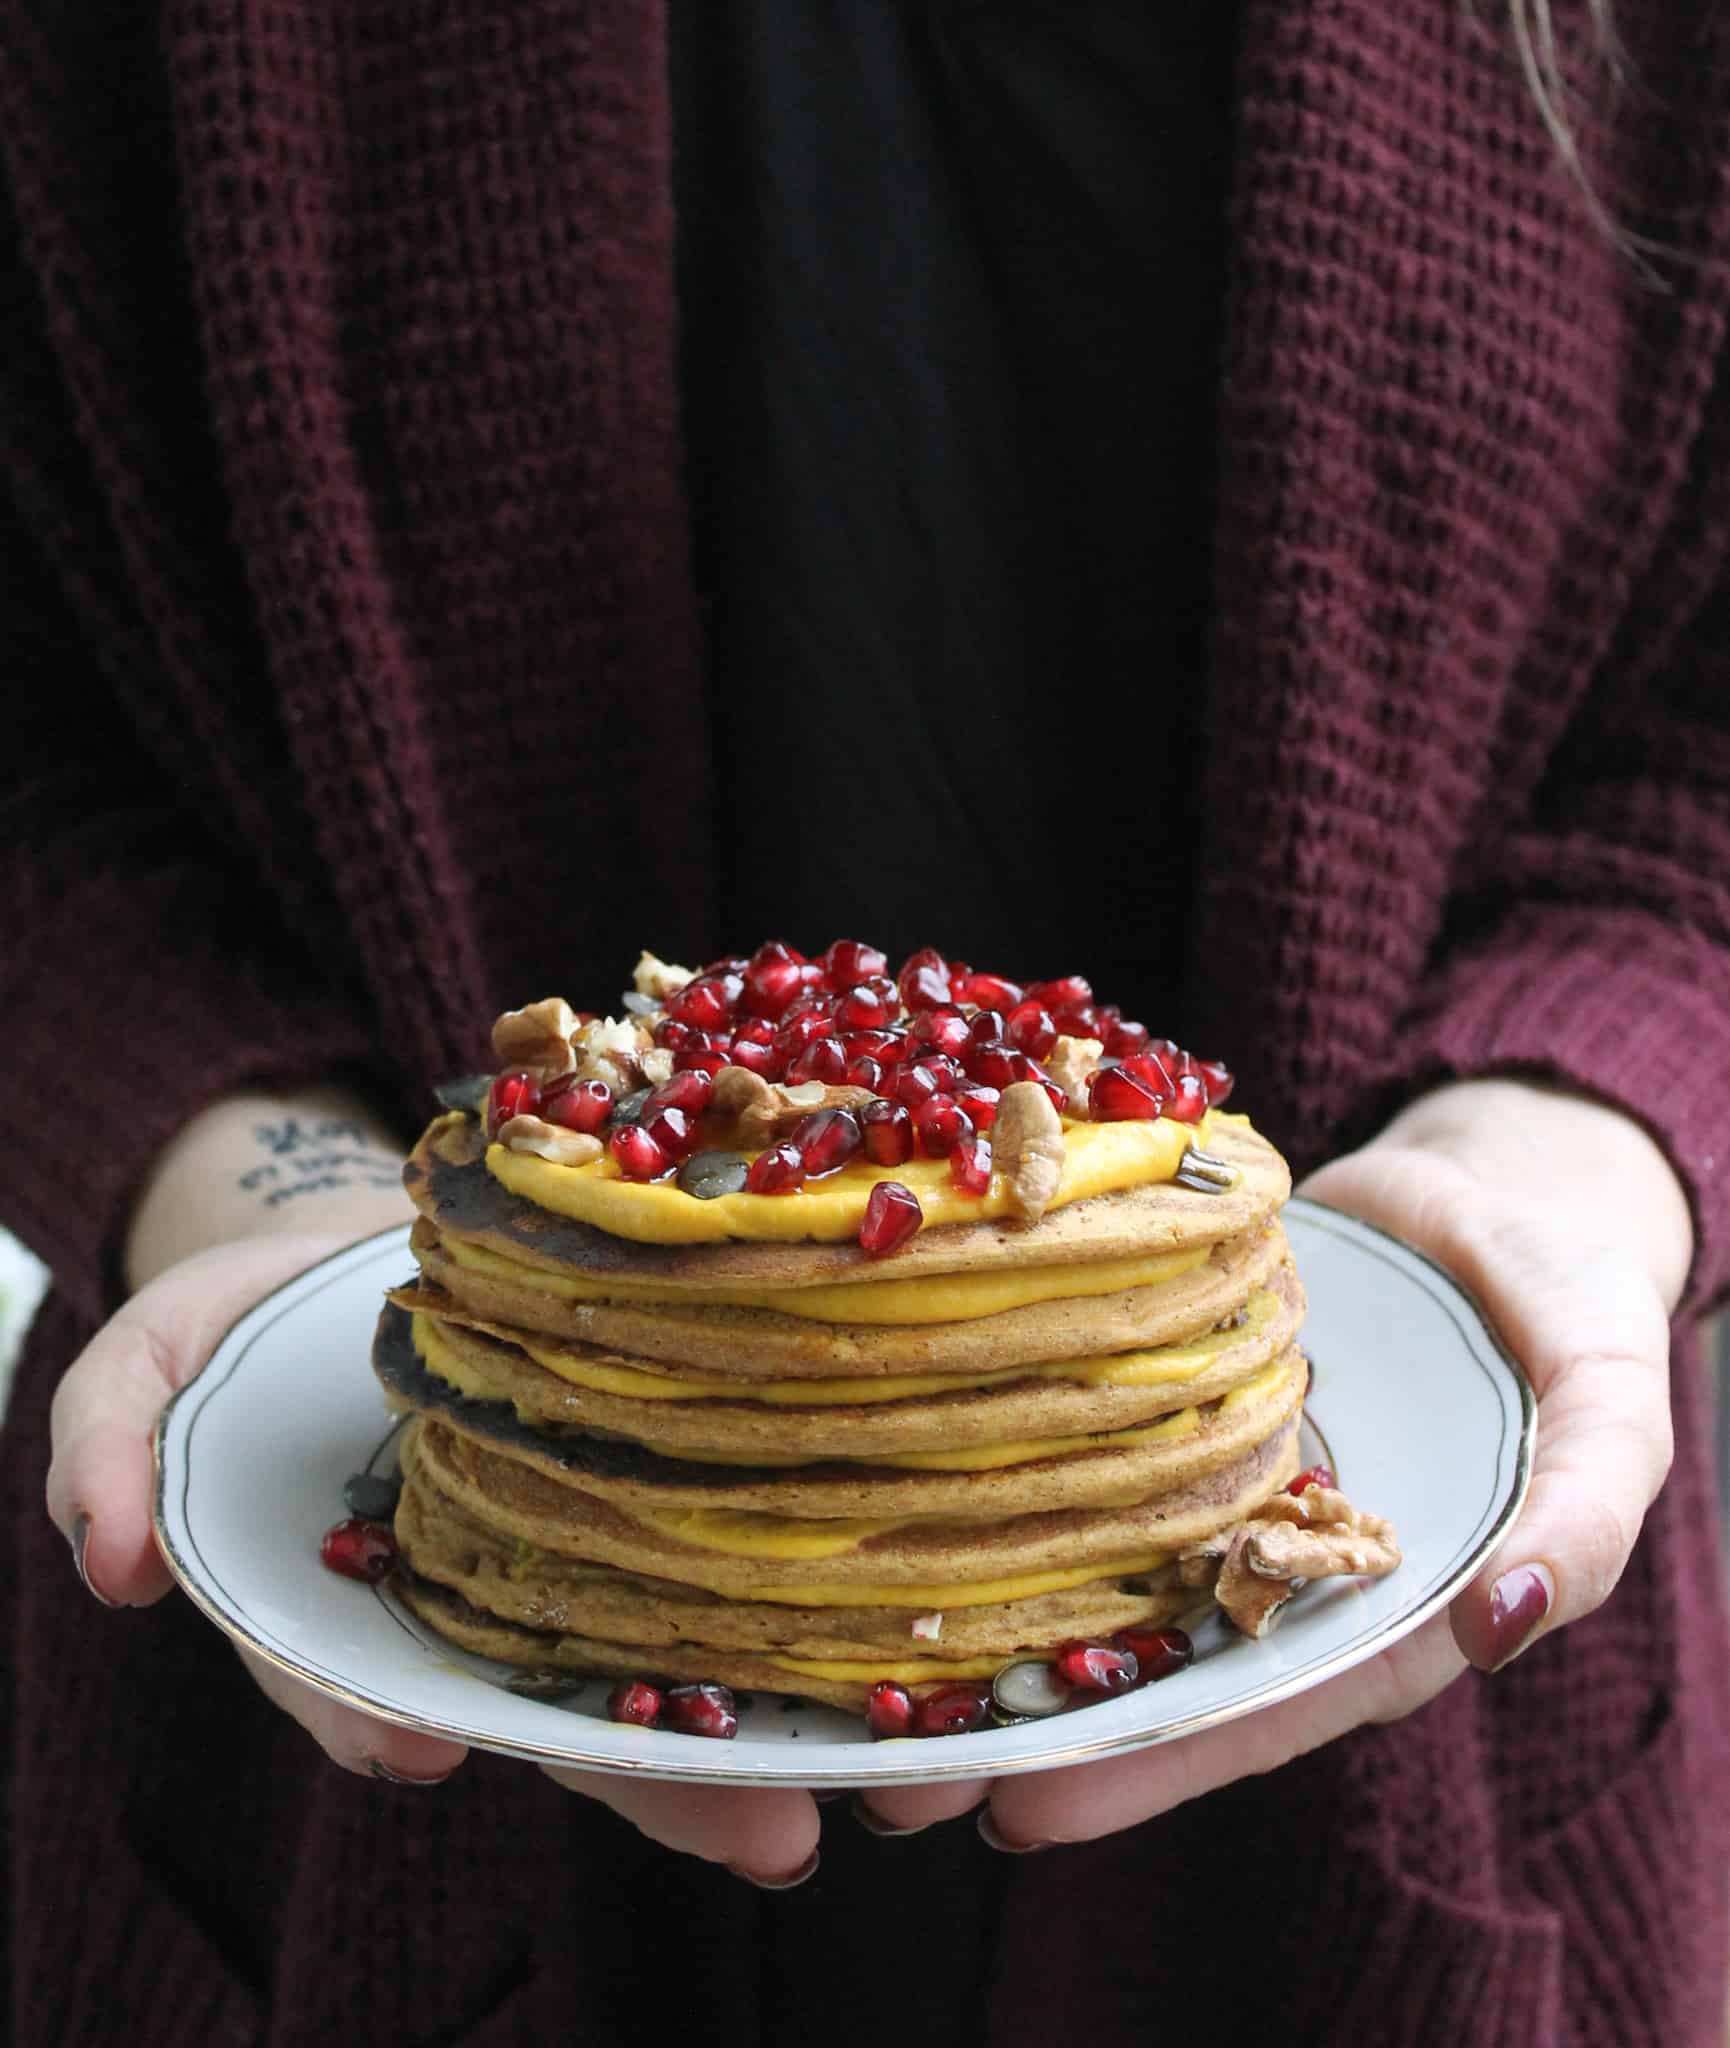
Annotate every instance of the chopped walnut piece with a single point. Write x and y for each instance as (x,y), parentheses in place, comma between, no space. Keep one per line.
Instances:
(1069,1063)
(758,1113)
(655,1065)
(610,1049)
(1287,1542)
(658,978)
(549,1141)
(538,1037)
(1028,1145)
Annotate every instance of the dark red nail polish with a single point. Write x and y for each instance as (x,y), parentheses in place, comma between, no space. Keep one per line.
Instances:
(989,1835)
(80,1540)
(1519,1601)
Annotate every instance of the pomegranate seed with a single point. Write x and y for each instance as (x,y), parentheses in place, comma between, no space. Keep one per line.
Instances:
(889,1048)
(824,1059)
(1154,1069)
(1166,1049)
(864,1072)
(1070,988)
(671,1034)
(776,1172)
(1123,1038)
(688,1091)
(695,1060)
(579,1106)
(635,1700)
(892,1215)
(847,963)
(735,963)
(924,979)
(889,1710)
(754,1031)
(952,1710)
(517,1094)
(1118,1096)
(985,1025)
(888,1133)
(980,1104)
(861,1009)
(826,1140)
(1216,1078)
(946,1072)
(799,1031)
(995,1065)
(985,991)
(1078,1020)
(672,1129)
(358,1549)
(770,985)
(1189,1104)
(1185,1063)
(1158,1652)
(913,1085)
(944,1030)
(970,1164)
(1030,1030)
(757,1059)
(1316,1475)
(640,1157)
(1096,1667)
(708,1002)
(940,1125)
(701,1710)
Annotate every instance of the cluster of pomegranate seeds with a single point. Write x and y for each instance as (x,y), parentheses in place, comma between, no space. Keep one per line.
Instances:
(686,1709)
(1159,1080)
(359,1549)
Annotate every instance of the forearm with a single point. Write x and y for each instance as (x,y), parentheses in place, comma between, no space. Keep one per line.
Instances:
(1573,1152)
(260,1164)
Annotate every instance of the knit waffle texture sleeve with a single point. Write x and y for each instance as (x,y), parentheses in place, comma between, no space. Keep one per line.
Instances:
(142,973)
(1598,951)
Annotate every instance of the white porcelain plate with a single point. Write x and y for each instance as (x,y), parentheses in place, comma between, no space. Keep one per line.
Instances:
(1414,1403)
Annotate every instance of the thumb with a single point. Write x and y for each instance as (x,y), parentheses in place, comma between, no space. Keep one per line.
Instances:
(101,1476)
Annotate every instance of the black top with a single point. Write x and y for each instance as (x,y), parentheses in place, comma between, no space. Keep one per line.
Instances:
(950,272)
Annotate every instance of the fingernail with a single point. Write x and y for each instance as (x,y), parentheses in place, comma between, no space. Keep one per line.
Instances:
(1519,1601)
(779,1884)
(989,1835)
(80,1541)
(380,1769)
(874,1824)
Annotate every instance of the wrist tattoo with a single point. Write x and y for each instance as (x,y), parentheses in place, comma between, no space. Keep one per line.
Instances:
(316,1155)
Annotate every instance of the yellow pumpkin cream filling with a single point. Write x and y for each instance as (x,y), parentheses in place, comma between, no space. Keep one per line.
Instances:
(938,1298)
(1099,1159)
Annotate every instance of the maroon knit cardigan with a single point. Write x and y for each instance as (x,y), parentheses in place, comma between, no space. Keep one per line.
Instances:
(353,680)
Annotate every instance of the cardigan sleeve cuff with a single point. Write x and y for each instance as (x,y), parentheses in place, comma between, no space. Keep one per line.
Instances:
(1618,1004)
(188,1015)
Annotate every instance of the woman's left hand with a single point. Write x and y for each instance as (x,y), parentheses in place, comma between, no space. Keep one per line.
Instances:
(1565,1220)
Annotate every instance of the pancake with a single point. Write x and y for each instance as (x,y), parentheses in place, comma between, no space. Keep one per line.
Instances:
(769,1344)
(449,1183)
(1020,1478)
(539,1590)
(754,1556)
(541,1379)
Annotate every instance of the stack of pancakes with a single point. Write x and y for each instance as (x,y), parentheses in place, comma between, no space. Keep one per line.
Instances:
(791,1468)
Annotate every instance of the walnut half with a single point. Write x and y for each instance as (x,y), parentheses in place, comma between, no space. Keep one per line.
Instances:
(538,1037)
(1282,1546)
(1028,1148)
(549,1141)
(759,1113)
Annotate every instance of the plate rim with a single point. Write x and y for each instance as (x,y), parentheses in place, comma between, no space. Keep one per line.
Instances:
(709,1767)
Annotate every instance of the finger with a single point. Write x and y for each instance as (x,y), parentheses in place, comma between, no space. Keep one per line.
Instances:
(906,1809)
(1097,1799)
(1604,1447)
(767,1836)
(107,1402)
(354,1740)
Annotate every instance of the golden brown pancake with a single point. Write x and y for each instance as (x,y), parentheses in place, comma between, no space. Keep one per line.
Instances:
(449,1184)
(493,1365)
